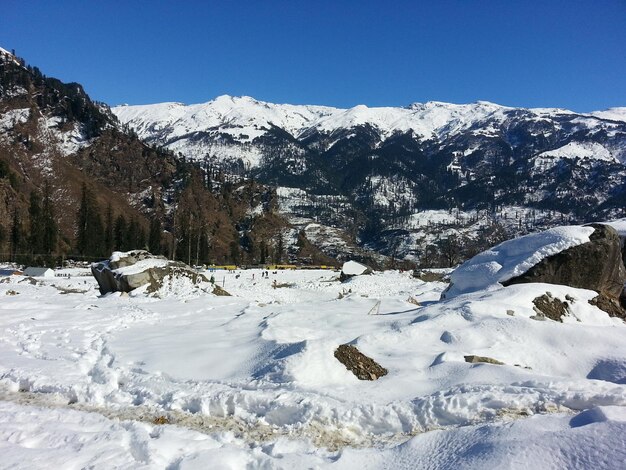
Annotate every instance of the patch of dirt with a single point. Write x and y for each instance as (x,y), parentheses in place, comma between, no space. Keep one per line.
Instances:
(159,420)
(550,307)
(472,359)
(365,368)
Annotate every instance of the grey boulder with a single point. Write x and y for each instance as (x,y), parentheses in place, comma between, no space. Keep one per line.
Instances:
(596,265)
(123,272)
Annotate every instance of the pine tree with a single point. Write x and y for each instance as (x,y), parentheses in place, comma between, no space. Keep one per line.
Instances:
(278,254)
(35,237)
(16,233)
(141,238)
(154,239)
(108,231)
(132,234)
(234,252)
(90,231)
(119,234)
(263,252)
(50,227)
(81,222)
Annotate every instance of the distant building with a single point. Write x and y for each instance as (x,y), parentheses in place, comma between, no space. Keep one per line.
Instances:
(38,272)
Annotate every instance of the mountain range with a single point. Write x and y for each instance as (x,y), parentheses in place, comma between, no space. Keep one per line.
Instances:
(399,178)
(237,179)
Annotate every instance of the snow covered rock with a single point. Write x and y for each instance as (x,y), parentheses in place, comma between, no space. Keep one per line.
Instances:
(125,271)
(595,265)
(512,258)
(473,359)
(587,257)
(352,268)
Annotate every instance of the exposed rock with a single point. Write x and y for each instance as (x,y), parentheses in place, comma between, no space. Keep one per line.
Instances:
(550,307)
(609,305)
(595,265)
(124,272)
(430,276)
(359,364)
(217,290)
(513,258)
(476,359)
(413,300)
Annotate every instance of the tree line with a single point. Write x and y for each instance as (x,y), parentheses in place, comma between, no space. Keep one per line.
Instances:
(35,240)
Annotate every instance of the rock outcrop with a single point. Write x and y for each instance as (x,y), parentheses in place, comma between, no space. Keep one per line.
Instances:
(365,368)
(596,265)
(123,272)
(547,306)
(473,359)
(513,258)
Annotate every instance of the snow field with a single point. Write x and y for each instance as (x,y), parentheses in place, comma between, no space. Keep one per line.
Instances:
(258,367)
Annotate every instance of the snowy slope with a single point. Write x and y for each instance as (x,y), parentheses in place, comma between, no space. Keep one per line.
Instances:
(251,380)
(580,150)
(614,114)
(190,128)
(39,438)
(238,116)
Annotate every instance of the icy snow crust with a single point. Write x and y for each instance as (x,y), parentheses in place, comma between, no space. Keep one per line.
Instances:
(251,380)
(513,258)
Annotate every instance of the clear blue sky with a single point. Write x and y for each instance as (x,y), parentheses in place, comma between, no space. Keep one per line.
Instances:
(562,53)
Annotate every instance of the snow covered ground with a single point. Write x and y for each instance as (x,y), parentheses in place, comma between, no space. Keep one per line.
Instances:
(190,380)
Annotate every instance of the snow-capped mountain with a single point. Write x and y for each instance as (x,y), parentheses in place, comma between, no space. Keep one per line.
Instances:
(377,172)
(335,183)
(196,129)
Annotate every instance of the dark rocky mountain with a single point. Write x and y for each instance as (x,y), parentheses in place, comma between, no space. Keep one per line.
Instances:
(53,135)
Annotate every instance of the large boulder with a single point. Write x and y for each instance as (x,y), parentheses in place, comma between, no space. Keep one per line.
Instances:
(513,258)
(125,271)
(596,265)
(353,268)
